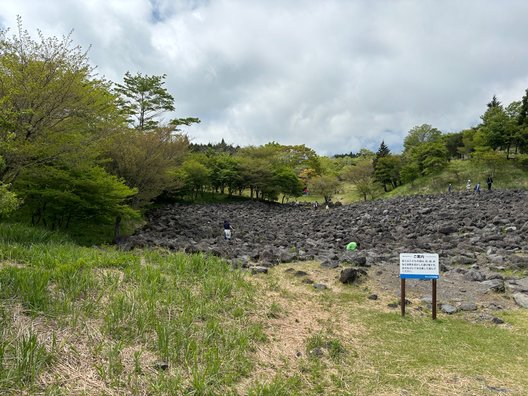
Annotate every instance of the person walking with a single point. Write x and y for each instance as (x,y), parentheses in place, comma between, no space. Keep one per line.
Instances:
(477,188)
(490,182)
(449,188)
(227,230)
(468,186)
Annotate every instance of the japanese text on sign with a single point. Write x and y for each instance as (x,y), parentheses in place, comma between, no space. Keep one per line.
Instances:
(419,265)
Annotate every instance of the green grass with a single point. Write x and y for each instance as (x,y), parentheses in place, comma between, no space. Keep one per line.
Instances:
(457,172)
(69,312)
(188,311)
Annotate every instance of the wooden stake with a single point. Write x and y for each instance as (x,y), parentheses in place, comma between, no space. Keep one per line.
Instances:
(434,299)
(402,303)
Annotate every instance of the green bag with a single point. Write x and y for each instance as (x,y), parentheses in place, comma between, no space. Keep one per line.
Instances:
(351,246)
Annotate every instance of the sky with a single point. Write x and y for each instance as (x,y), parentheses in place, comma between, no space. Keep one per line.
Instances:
(335,75)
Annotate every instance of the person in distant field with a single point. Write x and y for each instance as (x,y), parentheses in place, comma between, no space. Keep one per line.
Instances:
(227,230)
(477,188)
(315,205)
(490,182)
(468,185)
(449,188)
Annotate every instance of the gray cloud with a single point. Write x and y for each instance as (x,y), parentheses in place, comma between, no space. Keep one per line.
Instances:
(335,75)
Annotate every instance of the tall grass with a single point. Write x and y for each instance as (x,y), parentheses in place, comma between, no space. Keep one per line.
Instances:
(188,311)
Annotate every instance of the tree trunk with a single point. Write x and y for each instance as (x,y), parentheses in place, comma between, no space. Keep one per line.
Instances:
(117,230)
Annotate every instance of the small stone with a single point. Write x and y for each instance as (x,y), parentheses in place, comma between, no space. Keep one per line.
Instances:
(320,286)
(521,299)
(259,270)
(373,297)
(468,306)
(497,320)
(392,305)
(300,273)
(161,366)
(448,309)
(329,264)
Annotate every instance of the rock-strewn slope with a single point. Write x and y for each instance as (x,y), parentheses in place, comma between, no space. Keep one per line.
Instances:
(476,236)
(457,226)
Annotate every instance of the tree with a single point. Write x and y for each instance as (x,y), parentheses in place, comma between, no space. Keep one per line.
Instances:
(325,186)
(499,126)
(56,196)
(410,172)
(286,182)
(195,175)
(468,144)
(432,158)
(522,122)
(50,105)
(362,175)
(494,103)
(424,152)
(387,171)
(143,98)
(146,161)
(383,151)
(454,144)
(418,135)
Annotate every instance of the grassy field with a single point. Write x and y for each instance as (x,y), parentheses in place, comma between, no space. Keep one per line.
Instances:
(97,321)
(505,176)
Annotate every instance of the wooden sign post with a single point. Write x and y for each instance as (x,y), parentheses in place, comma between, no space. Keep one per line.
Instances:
(419,266)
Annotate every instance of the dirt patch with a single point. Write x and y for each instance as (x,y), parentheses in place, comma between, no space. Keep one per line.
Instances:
(296,311)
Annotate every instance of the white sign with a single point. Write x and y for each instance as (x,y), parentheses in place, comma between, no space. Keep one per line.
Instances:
(419,265)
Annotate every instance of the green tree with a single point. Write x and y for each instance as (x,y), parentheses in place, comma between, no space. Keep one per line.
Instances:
(454,143)
(325,185)
(50,105)
(387,171)
(380,175)
(143,98)
(410,172)
(522,122)
(286,182)
(146,161)
(362,175)
(499,127)
(420,134)
(195,175)
(57,196)
(424,151)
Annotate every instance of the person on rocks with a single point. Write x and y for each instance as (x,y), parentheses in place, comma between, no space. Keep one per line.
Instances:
(449,188)
(490,182)
(468,186)
(477,188)
(227,230)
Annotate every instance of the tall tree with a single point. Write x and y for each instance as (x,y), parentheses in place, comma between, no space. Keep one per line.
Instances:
(362,175)
(143,99)
(50,105)
(324,185)
(499,127)
(419,134)
(146,161)
(383,151)
(522,121)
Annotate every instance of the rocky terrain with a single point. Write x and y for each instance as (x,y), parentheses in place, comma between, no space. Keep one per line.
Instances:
(482,240)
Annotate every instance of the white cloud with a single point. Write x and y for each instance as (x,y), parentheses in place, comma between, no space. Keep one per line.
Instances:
(335,75)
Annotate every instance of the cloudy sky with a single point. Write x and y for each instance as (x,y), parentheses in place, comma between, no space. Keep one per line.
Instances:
(336,75)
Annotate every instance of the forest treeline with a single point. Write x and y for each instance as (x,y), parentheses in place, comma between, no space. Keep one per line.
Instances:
(77,148)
